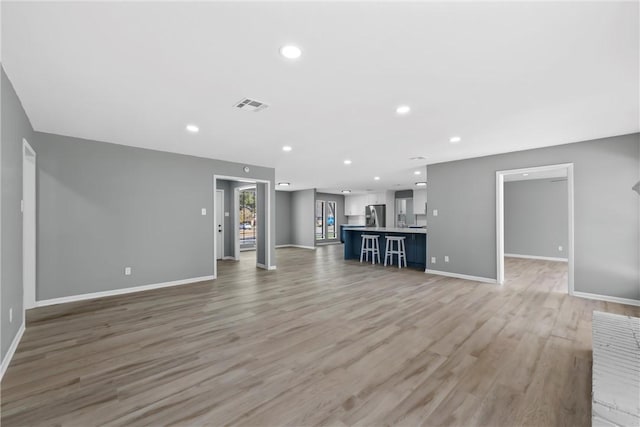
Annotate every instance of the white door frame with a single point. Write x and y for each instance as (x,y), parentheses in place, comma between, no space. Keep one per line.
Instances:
(267,233)
(500,216)
(28,228)
(221,224)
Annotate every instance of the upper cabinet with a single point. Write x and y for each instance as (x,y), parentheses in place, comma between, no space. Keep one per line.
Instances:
(354,204)
(420,202)
(376,199)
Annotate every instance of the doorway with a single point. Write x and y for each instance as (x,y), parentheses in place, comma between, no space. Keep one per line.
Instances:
(231,221)
(28,225)
(248,214)
(534,177)
(326,225)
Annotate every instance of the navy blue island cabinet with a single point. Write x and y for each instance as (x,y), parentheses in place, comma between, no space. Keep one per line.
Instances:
(415,243)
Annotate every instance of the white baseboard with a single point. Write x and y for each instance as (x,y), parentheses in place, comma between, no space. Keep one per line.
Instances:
(627,301)
(12,349)
(297,246)
(264,267)
(330,243)
(232,258)
(114,292)
(461,276)
(543,258)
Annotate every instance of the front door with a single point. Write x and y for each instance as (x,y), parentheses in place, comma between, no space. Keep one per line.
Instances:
(326,222)
(220,224)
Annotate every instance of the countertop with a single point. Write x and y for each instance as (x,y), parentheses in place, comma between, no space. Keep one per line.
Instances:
(405,230)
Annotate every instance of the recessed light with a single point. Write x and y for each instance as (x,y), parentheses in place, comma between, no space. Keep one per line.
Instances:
(417,173)
(417,158)
(403,109)
(377,178)
(287,148)
(455,139)
(421,184)
(193,128)
(347,162)
(284,184)
(525,174)
(346,191)
(290,51)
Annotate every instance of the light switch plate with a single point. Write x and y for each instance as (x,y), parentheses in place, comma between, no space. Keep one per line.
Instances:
(127,271)
(435,212)
(204,211)
(433,260)
(446,258)
(226,214)
(560,248)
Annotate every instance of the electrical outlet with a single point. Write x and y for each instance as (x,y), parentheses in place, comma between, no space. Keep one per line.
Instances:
(204,211)
(127,271)
(560,248)
(433,260)
(446,258)
(11,315)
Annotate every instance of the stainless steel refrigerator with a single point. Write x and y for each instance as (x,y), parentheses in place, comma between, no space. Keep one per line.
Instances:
(375,215)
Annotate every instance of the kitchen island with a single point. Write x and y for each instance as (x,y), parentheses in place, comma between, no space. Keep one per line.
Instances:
(415,243)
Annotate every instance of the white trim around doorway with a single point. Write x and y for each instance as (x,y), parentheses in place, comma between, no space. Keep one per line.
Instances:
(29,228)
(268,255)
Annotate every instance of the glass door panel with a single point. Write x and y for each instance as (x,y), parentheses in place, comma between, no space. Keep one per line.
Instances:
(320,224)
(248,223)
(331,221)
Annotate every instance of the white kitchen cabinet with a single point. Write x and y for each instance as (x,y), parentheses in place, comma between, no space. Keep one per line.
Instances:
(420,202)
(354,204)
(376,199)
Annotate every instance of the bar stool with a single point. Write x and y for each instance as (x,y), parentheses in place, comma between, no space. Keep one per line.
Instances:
(370,246)
(390,251)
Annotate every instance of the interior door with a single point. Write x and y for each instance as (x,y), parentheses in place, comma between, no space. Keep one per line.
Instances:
(220,224)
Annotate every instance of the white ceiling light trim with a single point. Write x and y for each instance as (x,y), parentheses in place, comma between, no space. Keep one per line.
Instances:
(287,148)
(192,128)
(455,139)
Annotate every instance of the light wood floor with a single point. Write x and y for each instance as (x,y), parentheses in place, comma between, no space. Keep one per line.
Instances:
(319,341)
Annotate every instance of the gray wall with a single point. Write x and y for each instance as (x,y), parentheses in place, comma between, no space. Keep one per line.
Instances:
(283,218)
(15,126)
(535,217)
(302,217)
(104,206)
(607,221)
(340,216)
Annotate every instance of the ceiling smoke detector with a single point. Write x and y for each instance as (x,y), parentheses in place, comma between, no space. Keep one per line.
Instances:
(248,104)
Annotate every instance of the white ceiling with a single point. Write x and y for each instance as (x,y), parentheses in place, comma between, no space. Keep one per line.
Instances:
(503,76)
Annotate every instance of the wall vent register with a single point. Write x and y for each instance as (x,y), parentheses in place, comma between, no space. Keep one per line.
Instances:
(248,104)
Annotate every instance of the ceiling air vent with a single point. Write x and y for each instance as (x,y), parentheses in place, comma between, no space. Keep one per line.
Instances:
(251,105)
